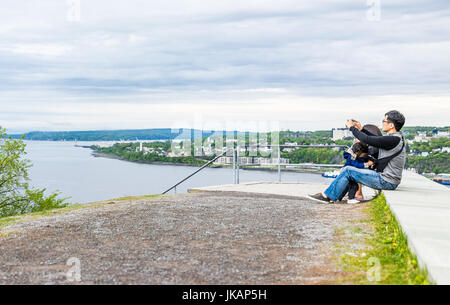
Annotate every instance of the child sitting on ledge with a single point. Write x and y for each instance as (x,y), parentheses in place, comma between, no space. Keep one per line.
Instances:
(356,156)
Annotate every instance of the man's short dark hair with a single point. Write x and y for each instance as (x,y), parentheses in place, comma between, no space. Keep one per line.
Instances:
(396,118)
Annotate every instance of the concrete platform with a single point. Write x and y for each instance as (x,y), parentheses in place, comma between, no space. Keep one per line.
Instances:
(422,207)
(290,189)
(285,189)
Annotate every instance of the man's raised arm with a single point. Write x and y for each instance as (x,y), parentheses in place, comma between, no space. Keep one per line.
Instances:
(384,142)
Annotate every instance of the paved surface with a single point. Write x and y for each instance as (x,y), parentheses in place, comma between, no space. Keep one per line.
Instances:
(198,238)
(422,208)
(293,189)
(285,188)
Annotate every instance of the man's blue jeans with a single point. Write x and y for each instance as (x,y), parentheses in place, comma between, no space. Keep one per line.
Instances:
(339,187)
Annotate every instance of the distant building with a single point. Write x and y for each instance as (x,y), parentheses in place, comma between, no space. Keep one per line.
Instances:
(245,160)
(289,149)
(297,135)
(442,134)
(270,161)
(265,149)
(182,153)
(341,133)
(207,150)
(139,149)
(252,161)
(224,160)
(421,137)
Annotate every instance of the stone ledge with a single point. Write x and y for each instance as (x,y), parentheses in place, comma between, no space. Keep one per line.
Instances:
(422,208)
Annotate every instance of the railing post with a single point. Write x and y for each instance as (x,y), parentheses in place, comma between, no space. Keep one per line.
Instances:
(237,165)
(279,165)
(234,165)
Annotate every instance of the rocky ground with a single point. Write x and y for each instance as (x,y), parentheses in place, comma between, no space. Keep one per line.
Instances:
(197,238)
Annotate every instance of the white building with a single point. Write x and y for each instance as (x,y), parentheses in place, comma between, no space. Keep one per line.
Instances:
(270,161)
(207,150)
(182,153)
(421,137)
(442,134)
(224,160)
(265,150)
(245,160)
(252,160)
(341,133)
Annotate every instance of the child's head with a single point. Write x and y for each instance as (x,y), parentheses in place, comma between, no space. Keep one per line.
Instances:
(360,149)
(373,129)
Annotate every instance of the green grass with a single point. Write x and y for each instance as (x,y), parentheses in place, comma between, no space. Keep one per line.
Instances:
(387,251)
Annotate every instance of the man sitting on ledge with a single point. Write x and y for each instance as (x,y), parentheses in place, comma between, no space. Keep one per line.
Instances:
(388,167)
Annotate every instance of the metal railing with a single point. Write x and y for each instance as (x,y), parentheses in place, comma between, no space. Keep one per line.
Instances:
(288,146)
(236,163)
(204,165)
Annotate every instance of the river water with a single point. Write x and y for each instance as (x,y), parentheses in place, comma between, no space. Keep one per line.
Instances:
(78,174)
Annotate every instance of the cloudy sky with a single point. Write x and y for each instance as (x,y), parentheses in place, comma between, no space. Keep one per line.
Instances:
(304,65)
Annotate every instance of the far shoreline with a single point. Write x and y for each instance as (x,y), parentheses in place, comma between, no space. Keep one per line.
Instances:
(112,156)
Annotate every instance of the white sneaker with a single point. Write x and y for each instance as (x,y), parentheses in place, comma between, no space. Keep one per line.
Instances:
(353,201)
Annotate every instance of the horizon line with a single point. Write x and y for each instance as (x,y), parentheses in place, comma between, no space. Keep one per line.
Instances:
(185,128)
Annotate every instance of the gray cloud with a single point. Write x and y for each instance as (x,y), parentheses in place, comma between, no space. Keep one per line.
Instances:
(152,51)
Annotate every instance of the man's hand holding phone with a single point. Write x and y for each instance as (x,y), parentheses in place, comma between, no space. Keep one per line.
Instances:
(358,125)
(355,123)
(350,123)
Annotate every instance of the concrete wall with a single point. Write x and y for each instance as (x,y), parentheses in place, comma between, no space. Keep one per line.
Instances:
(422,208)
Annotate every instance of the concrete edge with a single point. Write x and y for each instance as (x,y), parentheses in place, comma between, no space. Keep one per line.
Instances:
(410,241)
(393,203)
(255,182)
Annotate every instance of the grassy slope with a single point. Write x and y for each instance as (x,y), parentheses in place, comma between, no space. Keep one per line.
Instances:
(386,246)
